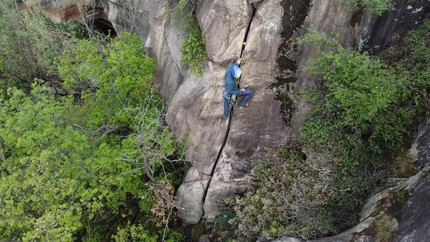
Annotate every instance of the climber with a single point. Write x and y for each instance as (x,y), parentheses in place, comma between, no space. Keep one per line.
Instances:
(232,73)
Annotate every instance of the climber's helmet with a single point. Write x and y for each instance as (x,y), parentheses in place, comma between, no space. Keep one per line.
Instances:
(236,72)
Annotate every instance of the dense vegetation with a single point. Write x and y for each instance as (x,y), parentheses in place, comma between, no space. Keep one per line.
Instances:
(362,115)
(84,154)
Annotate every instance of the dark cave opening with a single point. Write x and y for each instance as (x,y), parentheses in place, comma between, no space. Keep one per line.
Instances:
(104,27)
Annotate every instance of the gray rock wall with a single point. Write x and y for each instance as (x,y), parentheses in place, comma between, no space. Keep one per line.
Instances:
(258,128)
(197,105)
(224,24)
(377,33)
(273,66)
(165,44)
(415,215)
(128,16)
(196,108)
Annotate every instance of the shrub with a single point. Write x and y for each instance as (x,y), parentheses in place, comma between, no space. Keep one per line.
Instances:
(358,106)
(299,198)
(373,6)
(193,47)
(28,44)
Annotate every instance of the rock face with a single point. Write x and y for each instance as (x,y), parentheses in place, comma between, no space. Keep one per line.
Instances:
(128,16)
(274,67)
(166,48)
(245,142)
(118,15)
(379,218)
(223,40)
(393,24)
(415,215)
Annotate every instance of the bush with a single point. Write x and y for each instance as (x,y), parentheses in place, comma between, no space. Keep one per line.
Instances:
(28,44)
(193,47)
(359,105)
(373,6)
(299,198)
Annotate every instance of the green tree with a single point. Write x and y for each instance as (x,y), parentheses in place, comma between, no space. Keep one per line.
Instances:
(82,166)
(29,44)
(358,105)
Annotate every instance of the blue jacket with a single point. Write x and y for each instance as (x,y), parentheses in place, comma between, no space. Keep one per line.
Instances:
(230,81)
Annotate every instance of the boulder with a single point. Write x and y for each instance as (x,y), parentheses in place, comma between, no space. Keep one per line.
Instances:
(414,225)
(190,196)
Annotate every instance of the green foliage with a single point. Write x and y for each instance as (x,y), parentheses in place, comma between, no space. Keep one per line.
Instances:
(295,198)
(29,44)
(223,219)
(52,170)
(138,233)
(360,116)
(358,106)
(184,4)
(373,6)
(133,233)
(193,47)
(73,166)
(413,58)
(72,29)
(119,72)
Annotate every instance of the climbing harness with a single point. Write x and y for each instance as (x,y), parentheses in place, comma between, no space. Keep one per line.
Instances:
(231,98)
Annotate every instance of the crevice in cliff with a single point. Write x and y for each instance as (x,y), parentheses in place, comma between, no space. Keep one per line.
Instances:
(295,13)
(247,30)
(231,111)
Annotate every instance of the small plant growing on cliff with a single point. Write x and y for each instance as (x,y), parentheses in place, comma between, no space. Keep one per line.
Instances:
(373,6)
(193,47)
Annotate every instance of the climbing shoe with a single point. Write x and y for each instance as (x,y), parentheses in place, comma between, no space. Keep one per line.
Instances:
(245,105)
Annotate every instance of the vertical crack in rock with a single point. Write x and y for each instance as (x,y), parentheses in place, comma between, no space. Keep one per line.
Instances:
(231,112)
(295,13)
